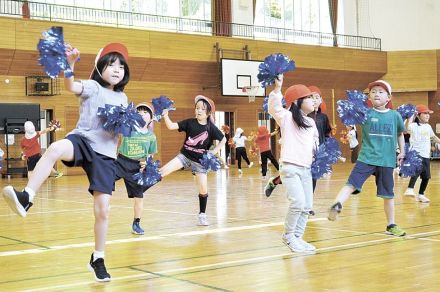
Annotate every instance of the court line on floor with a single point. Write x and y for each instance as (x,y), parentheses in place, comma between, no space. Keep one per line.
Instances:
(229,264)
(146,238)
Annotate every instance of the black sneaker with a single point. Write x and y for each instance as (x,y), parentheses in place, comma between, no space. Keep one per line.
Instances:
(99,269)
(311,213)
(18,201)
(335,209)
(269,188)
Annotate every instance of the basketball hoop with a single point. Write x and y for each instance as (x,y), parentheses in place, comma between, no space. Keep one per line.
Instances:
(251,91)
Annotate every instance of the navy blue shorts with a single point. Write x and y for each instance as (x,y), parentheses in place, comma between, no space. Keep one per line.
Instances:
(32,161)
(100,169)
(126,168)
(384,178)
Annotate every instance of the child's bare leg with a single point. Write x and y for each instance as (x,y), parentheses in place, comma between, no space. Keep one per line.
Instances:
(173,165)
(60,150)
(388,206)
(138,207)
(342,196)
(101,211)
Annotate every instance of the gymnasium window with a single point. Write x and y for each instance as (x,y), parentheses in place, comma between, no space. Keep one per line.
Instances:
(307,16)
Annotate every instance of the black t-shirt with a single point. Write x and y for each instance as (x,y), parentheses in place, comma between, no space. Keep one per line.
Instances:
(322,124)
(198,138)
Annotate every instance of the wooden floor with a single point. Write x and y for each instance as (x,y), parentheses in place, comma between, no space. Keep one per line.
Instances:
(240,251)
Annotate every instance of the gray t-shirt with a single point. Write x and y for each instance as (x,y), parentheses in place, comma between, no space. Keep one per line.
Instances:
(89,124)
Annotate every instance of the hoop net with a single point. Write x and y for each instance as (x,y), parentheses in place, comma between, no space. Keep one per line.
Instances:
(251,91)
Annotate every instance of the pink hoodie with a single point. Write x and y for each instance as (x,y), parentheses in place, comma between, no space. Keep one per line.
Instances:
(298,145)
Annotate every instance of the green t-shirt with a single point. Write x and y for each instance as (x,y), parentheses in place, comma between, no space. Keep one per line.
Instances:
(138,145)
(379,138)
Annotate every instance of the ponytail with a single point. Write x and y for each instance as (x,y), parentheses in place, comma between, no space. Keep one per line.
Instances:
(298,116)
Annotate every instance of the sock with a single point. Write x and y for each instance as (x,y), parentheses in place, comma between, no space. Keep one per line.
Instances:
(31,193)
(137,220)
(203,200)
(97,255)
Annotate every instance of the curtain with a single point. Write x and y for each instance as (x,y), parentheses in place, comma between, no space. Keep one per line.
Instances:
(222,17)
(333,9)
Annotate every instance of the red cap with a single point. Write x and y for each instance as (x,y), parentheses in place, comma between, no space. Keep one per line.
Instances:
(296,92)
(385,85)
(113,48)
(315,89)
(421,108)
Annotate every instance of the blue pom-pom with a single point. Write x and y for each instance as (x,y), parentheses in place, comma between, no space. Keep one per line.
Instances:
(52,53)
(210,162)
(120,119)
(406,110)
(326,155)
(411,164)
(273,66)
(161,103)
(150,175)
(353,110)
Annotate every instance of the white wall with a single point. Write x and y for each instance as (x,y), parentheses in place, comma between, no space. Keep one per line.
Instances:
(401,24)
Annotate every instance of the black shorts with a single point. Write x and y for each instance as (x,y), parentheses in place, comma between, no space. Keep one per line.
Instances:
(126,168)
(100,169)
(32,161)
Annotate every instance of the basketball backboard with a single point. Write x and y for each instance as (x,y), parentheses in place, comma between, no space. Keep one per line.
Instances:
(238,74)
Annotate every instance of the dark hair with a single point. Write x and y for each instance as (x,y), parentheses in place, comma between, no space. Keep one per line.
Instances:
(145,109)
(297,115)
(417,120)
(102,65)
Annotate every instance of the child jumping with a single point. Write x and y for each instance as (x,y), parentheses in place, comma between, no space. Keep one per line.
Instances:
(263,142)
(200,134)
(31,147)
(88,145)
(421,134)
(300,139)
(382,131)
(133,152)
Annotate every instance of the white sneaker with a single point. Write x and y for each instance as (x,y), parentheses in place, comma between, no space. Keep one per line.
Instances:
(251,164)
(226,167)
(240,171)
(203,219)
(410,192)
(263,177)
(293,243)
(423,199)
(307,246)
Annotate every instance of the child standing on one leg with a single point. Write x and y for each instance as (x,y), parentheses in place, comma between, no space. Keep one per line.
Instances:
(380,134)
(200,134)
(421,134)
(132,154)
(263,142)
(88,145)
(31,147)
(300,139)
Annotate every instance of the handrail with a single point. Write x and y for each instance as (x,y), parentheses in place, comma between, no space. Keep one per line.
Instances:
(104,17)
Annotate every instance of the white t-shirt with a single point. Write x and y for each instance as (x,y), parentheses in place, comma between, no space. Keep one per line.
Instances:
(420,139)
(352,141)
(239,141)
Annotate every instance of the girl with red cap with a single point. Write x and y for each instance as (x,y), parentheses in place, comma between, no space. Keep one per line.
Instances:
(200,134)
(88,145)
(421,134)
(300,139)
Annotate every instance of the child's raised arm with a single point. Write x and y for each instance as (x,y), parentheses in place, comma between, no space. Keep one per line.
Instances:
(170,124)
(69,84)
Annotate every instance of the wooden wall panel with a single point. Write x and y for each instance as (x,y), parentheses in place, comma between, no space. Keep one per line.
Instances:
(412,71)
